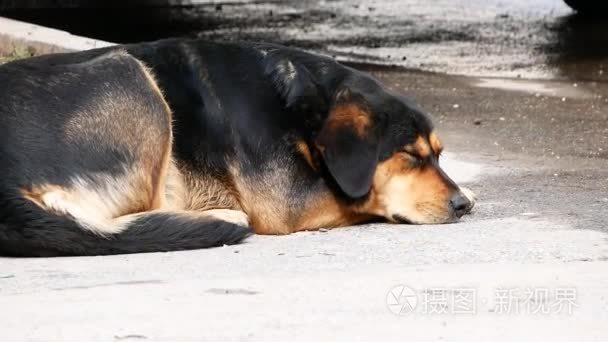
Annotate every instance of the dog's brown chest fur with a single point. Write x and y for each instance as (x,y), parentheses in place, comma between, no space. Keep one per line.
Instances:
(187,190)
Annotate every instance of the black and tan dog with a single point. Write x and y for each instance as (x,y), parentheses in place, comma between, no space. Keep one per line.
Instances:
(183,144)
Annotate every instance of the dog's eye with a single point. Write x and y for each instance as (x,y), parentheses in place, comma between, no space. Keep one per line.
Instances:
(415,161)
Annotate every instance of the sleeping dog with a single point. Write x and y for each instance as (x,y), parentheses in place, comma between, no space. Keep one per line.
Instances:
(185,144)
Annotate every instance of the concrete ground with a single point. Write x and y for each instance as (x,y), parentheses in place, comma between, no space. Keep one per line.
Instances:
(530,264)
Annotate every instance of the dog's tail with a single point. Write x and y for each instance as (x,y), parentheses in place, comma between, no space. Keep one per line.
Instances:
(30,231)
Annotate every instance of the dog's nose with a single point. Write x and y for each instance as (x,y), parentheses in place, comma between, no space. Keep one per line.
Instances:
(460,204)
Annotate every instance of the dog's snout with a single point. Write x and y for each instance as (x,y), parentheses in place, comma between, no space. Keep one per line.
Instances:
(460,204)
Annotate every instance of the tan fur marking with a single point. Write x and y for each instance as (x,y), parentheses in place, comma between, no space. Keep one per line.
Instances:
(160,177)
(155,166)
(189,190)
(96,200)
(325,211)
(35,194)
(436,144)
(159,172)
(205,193)
(266,197)
(419,194)
(175,189)
(349,115)
(421,147)
(302,148)
(228,215)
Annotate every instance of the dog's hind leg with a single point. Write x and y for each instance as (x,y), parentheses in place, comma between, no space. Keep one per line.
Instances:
(83,221)
(105,192)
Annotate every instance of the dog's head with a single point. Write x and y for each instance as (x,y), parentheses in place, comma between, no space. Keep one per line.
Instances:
(381,148)
(378,149)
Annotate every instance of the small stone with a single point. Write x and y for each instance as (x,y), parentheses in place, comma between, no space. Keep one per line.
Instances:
(236,252)
(456,106)
(477,122)
(563,99)
(502,118)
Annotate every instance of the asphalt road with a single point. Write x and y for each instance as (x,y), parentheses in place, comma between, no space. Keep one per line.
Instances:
(529,39)
(552,136)
(529,264)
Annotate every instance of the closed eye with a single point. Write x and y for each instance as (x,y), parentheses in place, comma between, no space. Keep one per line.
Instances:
(414,160)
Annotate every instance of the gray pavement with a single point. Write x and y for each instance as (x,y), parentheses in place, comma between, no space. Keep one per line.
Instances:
(530,264)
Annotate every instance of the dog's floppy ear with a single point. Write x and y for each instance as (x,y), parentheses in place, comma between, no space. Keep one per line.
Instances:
(348,142)
(291,80)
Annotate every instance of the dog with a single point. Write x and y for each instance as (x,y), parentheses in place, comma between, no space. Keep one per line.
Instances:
(185,144)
